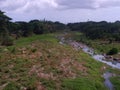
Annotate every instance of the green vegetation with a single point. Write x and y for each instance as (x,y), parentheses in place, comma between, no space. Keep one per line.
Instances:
(11,86)
(5,38)
(102,46)
(113,51)
(82,84)
(31,57)
(98,30)
(40,62)
(44,37)
(91,81)
(14,30)
(7,41)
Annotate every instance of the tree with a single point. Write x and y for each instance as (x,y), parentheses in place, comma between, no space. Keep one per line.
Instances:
(3,20)
(5,39)
(98,30)
(113,51)
(36,26)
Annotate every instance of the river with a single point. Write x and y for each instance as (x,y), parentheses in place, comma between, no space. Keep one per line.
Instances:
(98,57)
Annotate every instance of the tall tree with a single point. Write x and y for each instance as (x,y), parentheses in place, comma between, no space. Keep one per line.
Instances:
(5,39)
(3,19)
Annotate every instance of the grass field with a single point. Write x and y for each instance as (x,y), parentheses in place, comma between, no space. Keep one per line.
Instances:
(41,63)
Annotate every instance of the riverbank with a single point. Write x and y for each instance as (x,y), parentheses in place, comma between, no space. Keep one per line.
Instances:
(90,51)
(99,57)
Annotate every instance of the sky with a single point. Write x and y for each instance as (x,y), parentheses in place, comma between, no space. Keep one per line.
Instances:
(62,10)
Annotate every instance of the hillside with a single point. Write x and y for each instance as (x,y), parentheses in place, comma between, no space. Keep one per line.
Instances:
(41,63)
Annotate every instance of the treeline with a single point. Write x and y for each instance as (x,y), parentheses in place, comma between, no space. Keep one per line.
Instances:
(10,30)
(35,27)
(92,30)
(98,30)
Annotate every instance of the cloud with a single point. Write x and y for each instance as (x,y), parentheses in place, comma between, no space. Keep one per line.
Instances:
(26,5)
(88,4)
(63,10)
(36,5)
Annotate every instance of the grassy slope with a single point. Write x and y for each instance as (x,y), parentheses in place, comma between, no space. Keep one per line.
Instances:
(41,63)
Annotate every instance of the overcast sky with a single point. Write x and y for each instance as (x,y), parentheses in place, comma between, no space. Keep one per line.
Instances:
(62,10)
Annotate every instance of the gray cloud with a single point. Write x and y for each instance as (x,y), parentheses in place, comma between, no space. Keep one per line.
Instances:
(28,5)
(75,3)
(69,10)
(88,4)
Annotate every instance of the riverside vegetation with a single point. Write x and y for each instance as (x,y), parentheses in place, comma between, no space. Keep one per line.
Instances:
(104,47)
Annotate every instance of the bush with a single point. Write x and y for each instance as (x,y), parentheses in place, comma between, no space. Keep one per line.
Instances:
(113,51)
(7,41)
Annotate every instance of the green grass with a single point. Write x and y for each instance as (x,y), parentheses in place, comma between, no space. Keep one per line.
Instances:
(82,84)
(15,66)
(12,86)
(44,37)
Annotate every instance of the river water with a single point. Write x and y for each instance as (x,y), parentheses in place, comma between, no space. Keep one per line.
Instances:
(107,81)
(100,58)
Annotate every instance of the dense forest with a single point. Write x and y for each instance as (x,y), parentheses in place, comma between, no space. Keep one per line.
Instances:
(93,30)
(98,30)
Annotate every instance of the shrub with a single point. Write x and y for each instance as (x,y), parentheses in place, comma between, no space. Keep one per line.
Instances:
(7,41)
(113,51)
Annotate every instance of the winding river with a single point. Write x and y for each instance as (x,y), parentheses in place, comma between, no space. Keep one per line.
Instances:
(97,57)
